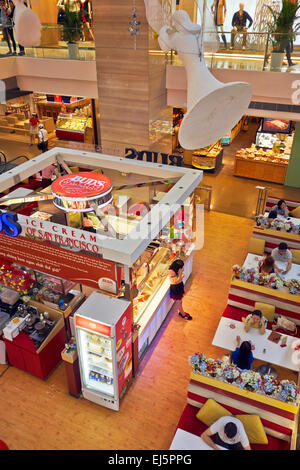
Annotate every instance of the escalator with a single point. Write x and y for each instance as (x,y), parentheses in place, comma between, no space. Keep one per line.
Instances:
(9,165)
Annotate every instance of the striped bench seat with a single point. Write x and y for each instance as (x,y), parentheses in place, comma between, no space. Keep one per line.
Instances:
(273,200)
(280,420)
(237,314)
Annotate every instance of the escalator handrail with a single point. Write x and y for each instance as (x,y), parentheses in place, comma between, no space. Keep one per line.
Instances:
(3,156)
(20,156)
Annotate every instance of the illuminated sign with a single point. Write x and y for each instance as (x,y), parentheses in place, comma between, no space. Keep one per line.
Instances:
(9,224)
(81,192)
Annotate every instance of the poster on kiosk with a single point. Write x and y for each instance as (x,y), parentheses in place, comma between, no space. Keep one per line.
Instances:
(103,334)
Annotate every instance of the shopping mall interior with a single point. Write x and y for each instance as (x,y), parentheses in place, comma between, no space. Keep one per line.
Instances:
(157,122)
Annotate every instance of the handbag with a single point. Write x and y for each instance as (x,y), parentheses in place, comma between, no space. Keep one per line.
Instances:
(285,324)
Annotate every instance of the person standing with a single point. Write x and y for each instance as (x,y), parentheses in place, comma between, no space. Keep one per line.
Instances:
(7,30)
(10,13)
(239,24)
(43,139)
(47,174)
(34,121)
(176,274)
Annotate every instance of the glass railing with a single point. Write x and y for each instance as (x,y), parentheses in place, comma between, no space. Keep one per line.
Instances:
(252,51)
(54,44)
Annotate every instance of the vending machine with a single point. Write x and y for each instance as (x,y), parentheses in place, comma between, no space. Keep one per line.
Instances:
(103,335)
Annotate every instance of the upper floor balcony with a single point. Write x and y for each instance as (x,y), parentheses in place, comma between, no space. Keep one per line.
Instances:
(241,51)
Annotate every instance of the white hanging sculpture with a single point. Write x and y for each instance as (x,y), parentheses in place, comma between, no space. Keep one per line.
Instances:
(27,25)
(213,107)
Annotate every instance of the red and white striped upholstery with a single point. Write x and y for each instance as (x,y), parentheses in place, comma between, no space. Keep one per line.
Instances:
(243,295)
(274,237)
(280,420)
(272,201)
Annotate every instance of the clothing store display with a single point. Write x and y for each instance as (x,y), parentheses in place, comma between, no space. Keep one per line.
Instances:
(239,25)
(219,12)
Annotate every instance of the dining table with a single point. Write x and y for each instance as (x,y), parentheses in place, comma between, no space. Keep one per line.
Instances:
(184,440)
(262,347)
(252,260)
(294,220)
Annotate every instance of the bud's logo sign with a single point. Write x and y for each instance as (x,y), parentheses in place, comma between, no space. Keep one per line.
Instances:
(79,182)
(9,224)
(166,159)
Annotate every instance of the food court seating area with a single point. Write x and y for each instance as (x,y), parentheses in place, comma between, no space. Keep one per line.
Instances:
(279,420)
(277,425)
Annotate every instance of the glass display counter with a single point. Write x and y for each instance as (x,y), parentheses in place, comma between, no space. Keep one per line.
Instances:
(208,158)
(71,127)
(148,278)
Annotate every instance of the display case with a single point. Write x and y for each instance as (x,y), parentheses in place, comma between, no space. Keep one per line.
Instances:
(71,127)
(148,277)
(56,284)
(265,165)
(208,158)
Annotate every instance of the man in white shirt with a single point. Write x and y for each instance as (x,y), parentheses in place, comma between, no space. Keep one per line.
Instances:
(230,433)
(282,255)
(43,138)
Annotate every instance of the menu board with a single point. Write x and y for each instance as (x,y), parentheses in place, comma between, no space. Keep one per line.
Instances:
(279,126)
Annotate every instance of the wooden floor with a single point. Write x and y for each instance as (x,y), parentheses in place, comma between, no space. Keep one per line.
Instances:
(40,415)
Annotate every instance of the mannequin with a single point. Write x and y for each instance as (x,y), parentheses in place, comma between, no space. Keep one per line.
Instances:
(239,23)
(219,10)
(86,11)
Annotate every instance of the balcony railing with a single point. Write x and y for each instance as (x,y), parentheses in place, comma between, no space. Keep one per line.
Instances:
(255,53)
(53,45)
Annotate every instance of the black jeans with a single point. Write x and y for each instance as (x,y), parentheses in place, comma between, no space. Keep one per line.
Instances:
(9,36)
(289,49)
(219,442)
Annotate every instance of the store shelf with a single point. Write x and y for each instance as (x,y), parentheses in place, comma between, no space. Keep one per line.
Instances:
(101,369)
(99,354)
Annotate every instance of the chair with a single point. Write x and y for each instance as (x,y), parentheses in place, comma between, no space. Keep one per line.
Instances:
(295,256)
(267,310)
(256,246)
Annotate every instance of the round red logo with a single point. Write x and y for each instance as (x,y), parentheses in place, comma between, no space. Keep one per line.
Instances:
(81,185)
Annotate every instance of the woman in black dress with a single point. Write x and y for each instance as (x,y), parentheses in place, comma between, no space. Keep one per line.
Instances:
(176,274)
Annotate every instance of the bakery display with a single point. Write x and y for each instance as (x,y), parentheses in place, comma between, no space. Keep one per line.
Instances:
(208,158)
(253,153)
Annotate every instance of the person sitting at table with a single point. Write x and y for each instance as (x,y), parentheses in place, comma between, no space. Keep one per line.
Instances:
(242,356)
(230,434)
(272,215)
(281,208)
(256,319)
(267,265)
(283,255)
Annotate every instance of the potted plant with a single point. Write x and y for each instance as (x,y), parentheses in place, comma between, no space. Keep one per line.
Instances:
(72,31)
(282,30)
